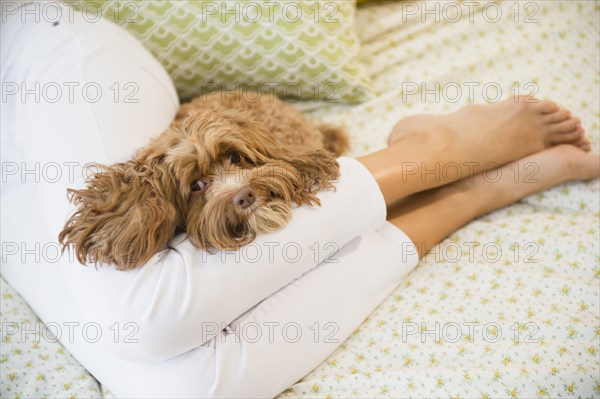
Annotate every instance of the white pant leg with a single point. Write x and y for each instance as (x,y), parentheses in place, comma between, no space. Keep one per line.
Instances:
(260,354)
(302,324)
(181,294)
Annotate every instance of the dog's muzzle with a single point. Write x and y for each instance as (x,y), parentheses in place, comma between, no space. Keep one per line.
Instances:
(244,197)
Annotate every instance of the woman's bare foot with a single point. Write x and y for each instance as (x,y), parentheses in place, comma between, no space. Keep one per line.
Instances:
(427,151)
(507,130)
(553,166)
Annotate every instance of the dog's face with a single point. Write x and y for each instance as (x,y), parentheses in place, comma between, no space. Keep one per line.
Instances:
(235,181)
(218,177)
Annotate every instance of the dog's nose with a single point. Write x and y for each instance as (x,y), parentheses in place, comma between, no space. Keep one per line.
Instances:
(244,197)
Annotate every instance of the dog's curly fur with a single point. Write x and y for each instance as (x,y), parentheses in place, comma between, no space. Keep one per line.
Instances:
(186,179)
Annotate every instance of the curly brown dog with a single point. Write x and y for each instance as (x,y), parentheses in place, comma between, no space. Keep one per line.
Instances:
(231,165)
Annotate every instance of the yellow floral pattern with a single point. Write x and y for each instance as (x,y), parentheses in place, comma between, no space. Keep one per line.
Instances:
(35,365)
(532,275)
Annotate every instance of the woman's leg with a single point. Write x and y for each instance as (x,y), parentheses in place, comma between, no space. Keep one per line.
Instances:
(430,151)
(296,328)
(307,319)
(428,217)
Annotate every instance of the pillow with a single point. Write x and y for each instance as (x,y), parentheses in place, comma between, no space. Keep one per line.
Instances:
(295,49)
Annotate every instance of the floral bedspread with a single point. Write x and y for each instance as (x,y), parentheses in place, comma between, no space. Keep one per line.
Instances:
(509,305)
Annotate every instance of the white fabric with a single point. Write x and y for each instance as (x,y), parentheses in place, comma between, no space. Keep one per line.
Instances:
(180,301)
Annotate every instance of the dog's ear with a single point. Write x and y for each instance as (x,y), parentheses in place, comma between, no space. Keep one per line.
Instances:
(315,170)
(124,215)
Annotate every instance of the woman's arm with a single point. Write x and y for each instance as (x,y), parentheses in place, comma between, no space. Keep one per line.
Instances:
(184,296)
(183,291)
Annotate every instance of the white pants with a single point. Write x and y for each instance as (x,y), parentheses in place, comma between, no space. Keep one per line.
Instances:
(188,323)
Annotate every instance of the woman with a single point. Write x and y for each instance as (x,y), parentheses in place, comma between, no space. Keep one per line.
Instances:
(194,324)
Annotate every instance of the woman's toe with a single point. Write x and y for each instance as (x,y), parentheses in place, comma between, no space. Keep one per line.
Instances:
(584,144)
(558,116)
(572,137)
(567,126)
(547,106)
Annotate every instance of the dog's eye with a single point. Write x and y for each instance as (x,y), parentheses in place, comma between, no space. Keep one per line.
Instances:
(234,158)
(198,186)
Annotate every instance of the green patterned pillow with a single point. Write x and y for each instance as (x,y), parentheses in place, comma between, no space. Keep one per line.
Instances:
(296,49)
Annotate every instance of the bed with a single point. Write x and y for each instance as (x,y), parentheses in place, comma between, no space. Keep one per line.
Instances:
(508,306)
